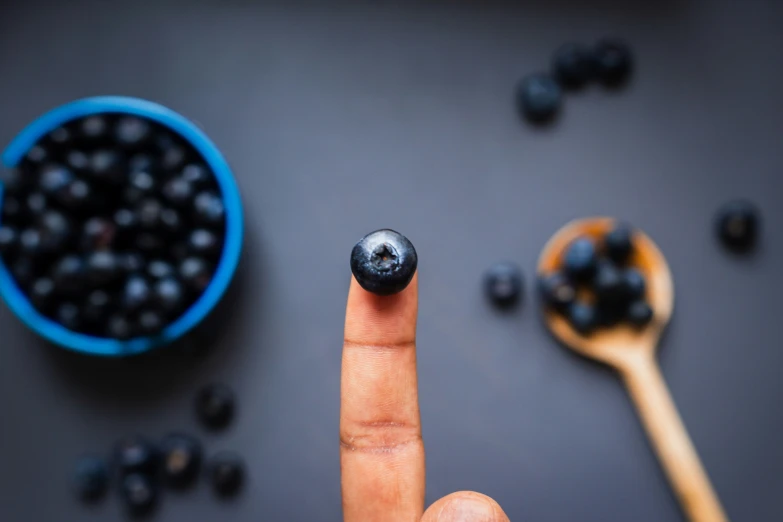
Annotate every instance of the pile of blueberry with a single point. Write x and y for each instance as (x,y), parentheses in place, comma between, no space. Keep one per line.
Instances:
(574,65)
(112,225)
(140,466)
(596,285)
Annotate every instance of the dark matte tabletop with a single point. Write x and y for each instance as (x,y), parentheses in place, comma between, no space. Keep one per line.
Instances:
(343,117)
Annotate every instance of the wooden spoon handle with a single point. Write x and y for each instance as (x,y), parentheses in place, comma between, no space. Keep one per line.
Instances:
(671,441)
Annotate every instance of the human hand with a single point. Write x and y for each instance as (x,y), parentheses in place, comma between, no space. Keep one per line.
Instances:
(381,448)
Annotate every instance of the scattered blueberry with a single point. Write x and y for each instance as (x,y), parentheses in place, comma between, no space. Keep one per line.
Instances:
(139,493)
(91,478)
(182,457)
(215,405)
(503,283)
(613,62)
(738,223)
(227,474)
(580,259)
(573,65)
(136,455)
(384,262)
(539,98)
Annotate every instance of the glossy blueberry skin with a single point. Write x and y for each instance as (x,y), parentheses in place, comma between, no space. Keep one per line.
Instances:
(119,327)
(556,290)
(215,405)
(580,259)
(613,62)
(503,283)
(738,225)
(136,294)
(131,131)
(384,262)
(227,474)
(54,179)
(639,313)
(69,273)
(539,98)
(139,493)
(635,284)
(42,294)
(583,317)
(608,283)
(618,243)
(136,455)
(573,65)
(91,478)
(182,456)
(9,240)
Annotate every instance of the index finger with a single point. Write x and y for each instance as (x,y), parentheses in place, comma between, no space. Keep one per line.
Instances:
(381,449)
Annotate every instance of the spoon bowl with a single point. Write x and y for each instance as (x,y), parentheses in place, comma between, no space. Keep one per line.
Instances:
(614,345)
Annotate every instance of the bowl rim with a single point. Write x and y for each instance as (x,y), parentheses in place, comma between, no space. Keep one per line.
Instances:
(232,247)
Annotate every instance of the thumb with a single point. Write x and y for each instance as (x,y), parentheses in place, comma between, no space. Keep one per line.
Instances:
(465,506)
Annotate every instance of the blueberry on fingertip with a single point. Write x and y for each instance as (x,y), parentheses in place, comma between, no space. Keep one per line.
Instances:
(384,262)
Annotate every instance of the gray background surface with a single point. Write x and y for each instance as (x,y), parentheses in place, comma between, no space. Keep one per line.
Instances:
(343,117)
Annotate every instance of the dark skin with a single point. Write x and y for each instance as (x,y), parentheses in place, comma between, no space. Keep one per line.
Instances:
(381,447)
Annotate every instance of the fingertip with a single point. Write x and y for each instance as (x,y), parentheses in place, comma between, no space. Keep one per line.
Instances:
(375,319)
(465,506)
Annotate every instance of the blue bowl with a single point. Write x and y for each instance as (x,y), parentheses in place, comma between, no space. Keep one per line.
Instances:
(45,327)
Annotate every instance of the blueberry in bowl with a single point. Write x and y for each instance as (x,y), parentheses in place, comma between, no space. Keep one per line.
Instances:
(120,226)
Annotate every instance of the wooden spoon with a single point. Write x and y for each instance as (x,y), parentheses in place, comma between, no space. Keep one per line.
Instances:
(632,353)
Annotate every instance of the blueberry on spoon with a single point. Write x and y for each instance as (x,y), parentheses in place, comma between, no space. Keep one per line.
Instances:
(383,262)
